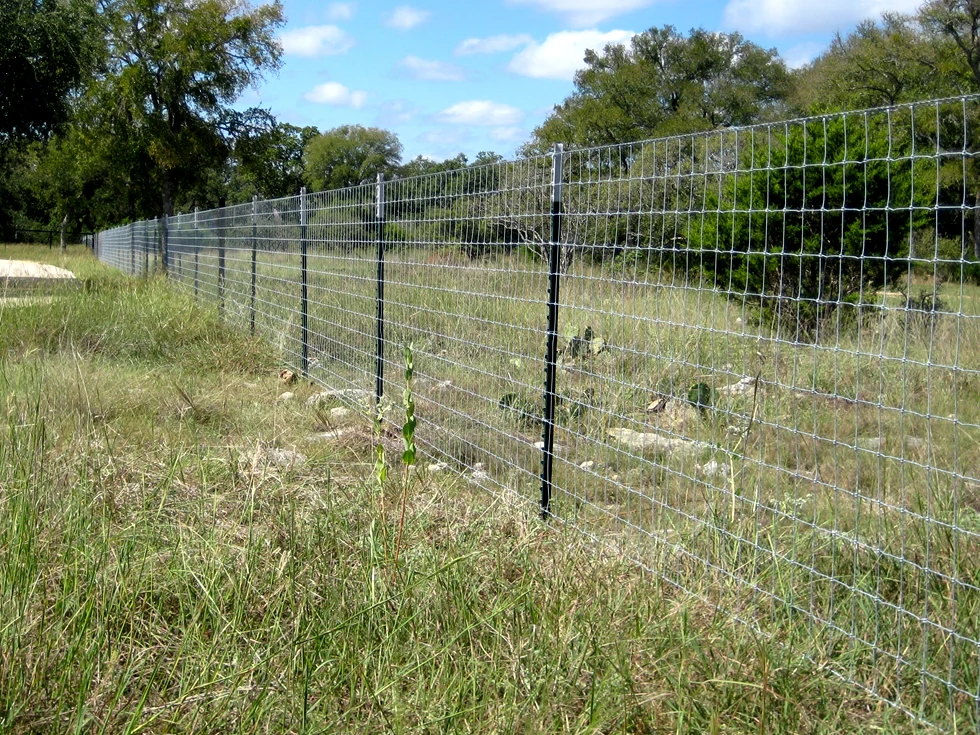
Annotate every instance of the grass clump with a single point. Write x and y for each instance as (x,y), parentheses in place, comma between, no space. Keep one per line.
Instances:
(136,321)
(182,553)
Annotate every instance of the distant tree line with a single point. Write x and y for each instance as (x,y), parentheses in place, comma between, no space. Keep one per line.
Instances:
(120,110)
(124,109)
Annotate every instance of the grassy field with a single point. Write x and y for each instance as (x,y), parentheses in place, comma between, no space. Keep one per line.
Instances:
(167,564)
(836,506)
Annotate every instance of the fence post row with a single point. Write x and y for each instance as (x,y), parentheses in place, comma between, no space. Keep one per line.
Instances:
(255,222)
(305,282)
(379,214)
(554,282)
(551,348)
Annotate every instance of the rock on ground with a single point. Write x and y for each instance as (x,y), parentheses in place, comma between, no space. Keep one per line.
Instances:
(27,269)
(655,443)
(356,395)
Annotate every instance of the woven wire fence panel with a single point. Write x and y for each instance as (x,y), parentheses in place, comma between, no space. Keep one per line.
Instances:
(277,267)
(342,264)
(772,382)
(117,247)
(767,372)
(467,297)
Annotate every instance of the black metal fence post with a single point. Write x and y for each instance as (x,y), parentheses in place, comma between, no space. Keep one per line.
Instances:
(219,214)
(132,248)
(146,248)
(162,256)
(197,250)
(379,387)
(305,285)
(255,223)
(551,349)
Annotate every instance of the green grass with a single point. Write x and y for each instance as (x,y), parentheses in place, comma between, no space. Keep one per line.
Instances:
(851,506)
(162,571)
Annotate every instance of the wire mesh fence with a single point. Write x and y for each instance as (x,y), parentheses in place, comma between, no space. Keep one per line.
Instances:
(749,359)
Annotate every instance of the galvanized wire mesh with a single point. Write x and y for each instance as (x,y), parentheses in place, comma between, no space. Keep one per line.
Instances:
(768,367)
(133,248)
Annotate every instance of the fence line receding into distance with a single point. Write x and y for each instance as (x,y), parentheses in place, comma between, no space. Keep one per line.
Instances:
(748,358)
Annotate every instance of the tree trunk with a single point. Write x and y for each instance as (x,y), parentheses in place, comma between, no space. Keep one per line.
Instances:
(64,226)
(167,191)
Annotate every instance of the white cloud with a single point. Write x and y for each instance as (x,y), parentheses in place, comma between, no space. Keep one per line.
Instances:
(581,13)
(444,139)
(315,41)
(492,45)
(780,17)
(340,11)
(481,112)
(803,53)
(508,134)
(561,54)
(405,17)
(435,71)
(396,112)
(335,93)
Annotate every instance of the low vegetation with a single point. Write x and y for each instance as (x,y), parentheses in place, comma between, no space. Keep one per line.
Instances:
(181,552)
(831,481)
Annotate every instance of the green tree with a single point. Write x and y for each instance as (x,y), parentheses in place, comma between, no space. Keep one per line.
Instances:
(900,58)
(895,59)
(959,21)
(350,155)
(264,158)
(269,162)
(46,47)
(171,71)
(666,84)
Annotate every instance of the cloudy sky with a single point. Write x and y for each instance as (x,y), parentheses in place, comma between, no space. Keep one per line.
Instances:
(451,76)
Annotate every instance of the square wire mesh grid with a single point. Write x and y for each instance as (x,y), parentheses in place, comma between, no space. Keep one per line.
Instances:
(767,381)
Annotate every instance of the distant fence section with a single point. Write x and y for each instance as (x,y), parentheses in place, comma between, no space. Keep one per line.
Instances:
(51,237)
(749,359)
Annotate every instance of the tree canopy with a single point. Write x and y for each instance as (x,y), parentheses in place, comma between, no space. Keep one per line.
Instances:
(959,21)
(172,69)
(125,109)
(895,59)
(46,48)
(667,83)
(350,155)
(268,162)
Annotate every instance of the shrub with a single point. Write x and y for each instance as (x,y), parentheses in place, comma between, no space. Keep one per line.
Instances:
(820,214)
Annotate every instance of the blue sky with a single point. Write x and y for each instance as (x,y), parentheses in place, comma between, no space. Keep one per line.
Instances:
(463,76)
